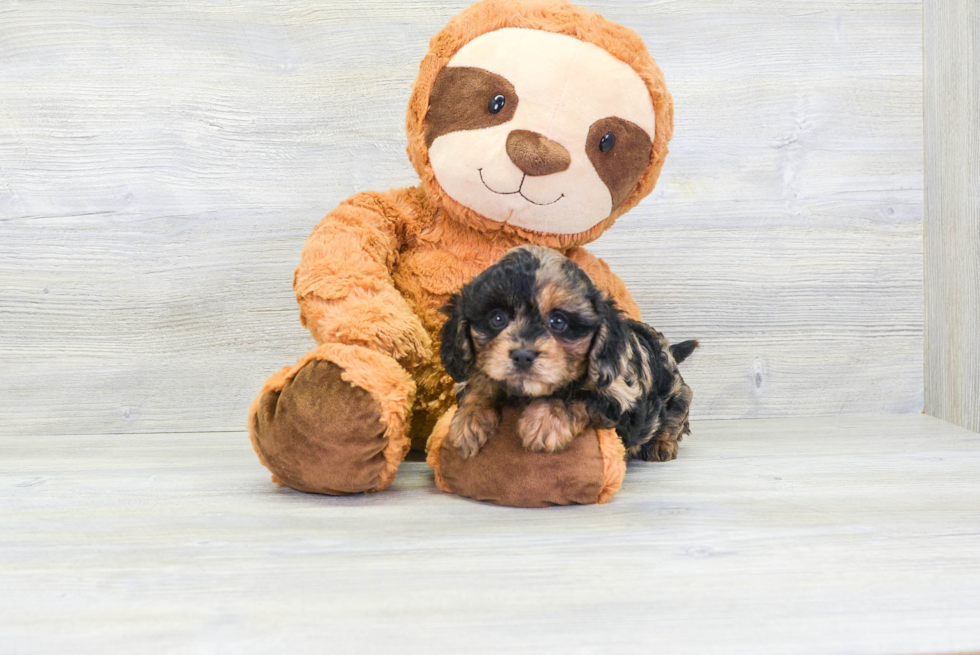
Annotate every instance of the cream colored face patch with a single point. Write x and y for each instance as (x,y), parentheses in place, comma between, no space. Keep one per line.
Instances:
(540,130)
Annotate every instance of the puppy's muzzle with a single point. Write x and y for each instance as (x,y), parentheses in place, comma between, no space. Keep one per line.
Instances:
(523,358)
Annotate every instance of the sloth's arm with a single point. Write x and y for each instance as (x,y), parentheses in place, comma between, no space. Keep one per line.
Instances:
(606,280)
(344,281)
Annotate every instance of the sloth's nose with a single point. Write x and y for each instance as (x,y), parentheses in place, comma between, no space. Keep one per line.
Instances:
(536,154)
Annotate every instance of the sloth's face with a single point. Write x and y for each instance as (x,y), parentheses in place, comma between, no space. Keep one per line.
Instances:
(539,130)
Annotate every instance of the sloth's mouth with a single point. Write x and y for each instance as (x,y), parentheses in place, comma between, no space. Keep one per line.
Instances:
(519,192)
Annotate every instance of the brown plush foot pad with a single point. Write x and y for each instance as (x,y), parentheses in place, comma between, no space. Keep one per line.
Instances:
(321,434)
(506,474)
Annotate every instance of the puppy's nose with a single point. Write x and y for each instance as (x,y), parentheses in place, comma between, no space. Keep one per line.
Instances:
(523,358)
(537,155)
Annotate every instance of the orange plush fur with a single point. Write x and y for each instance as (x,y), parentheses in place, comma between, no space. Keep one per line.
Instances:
(377,269)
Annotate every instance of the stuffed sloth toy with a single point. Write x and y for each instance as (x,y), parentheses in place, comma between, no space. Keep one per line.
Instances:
(531,122)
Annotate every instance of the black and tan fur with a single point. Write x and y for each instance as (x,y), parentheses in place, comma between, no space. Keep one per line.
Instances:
(590,365)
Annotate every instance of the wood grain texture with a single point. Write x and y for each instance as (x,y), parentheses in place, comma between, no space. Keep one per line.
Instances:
(952,227)
(162,163)
(836,535)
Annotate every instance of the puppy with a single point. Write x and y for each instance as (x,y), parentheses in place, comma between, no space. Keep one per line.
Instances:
(533,331)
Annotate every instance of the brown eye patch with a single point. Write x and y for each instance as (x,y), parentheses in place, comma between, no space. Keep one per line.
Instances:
(462,99)
(621,165)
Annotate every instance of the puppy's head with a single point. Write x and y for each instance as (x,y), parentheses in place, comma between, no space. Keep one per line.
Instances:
(534,323)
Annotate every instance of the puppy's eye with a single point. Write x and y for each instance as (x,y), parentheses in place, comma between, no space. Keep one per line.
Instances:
(607,142)
(497,104)
(557,323)
(498,319)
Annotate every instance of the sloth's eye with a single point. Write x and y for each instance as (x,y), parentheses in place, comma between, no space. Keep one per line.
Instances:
(497,104)
(498,319)
(607,142)
(557,323)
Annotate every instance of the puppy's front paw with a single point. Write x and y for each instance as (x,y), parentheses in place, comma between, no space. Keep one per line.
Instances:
(660,450)
(470,430)
(546,426)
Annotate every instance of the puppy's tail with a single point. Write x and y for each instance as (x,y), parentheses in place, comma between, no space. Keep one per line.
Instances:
(683,350)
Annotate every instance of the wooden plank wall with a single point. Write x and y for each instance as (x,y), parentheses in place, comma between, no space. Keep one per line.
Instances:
(952,227)
(161,164)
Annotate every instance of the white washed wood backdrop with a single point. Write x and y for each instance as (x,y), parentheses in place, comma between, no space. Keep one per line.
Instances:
(952,209)
(161,164)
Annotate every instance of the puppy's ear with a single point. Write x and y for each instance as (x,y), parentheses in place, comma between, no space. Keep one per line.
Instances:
(457,346)
(683,350)
(608,352)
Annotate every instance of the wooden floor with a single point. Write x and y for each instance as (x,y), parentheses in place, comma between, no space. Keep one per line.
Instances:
(784,536)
